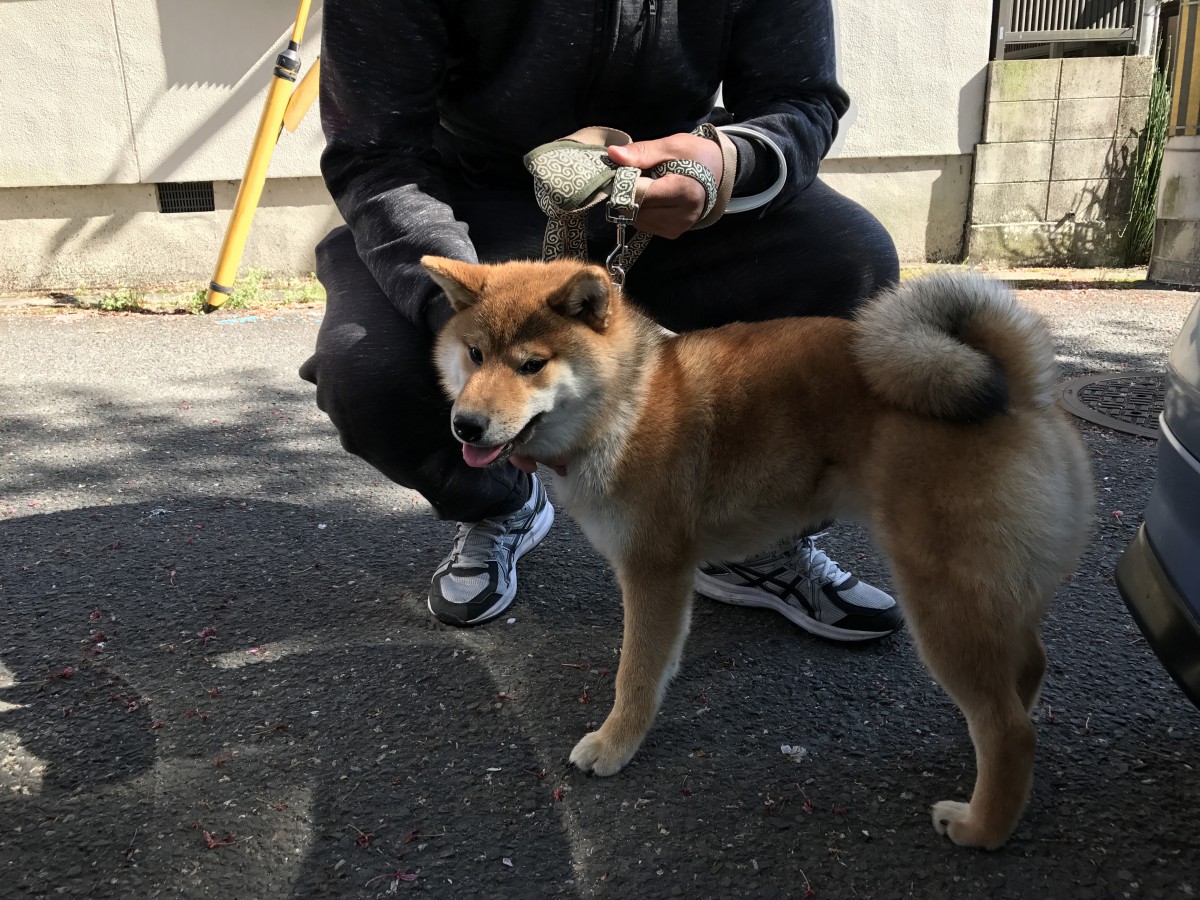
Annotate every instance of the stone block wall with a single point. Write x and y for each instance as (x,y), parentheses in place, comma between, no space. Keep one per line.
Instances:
(1054,173)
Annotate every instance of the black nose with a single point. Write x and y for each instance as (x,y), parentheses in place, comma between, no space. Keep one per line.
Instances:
(469,429)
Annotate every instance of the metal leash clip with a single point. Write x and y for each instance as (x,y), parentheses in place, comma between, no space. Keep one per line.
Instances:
(622,217)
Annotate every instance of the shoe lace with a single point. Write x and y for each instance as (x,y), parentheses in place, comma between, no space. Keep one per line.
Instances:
(482,541)
(809,561)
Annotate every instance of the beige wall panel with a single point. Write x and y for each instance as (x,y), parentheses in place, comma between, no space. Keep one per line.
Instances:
(921,201)
(917,72)
(62,97)
(294,215)
(198,75)
(64,238)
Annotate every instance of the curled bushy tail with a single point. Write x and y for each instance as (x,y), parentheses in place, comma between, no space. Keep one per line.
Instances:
(956,347)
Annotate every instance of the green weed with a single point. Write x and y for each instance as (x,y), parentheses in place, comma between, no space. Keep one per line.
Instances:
(247,291)
(124,300)
(1139,232)
(304,290)
(255,290)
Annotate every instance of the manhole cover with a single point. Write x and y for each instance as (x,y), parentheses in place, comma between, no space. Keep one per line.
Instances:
(1130,402)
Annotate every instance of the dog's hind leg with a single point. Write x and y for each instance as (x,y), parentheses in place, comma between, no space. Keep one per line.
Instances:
(991,667)
(657,611)
(1004,742)
(1029,679)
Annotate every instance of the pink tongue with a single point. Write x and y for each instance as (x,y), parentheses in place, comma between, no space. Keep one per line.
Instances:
(529,464)
(524,463)
(481,456)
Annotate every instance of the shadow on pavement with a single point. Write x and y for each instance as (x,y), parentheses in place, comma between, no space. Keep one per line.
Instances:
(212,431)
(275,688)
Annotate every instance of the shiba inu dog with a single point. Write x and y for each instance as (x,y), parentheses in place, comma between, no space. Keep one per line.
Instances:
(931,417)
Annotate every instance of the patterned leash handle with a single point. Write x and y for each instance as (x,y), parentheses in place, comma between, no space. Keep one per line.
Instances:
(574,174)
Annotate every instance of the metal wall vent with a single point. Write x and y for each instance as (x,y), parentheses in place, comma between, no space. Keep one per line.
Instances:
(186,197)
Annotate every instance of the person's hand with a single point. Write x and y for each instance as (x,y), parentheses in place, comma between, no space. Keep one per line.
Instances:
(673,203)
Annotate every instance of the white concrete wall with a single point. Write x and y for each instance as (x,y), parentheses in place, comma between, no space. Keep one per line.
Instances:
(62,96)
(197,75)
(128,91)
(112,235)
(916,73)
(923,201)
(134,92)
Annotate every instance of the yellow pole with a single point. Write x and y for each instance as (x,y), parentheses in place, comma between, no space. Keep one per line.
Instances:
(1185,98)
(302,97)
(287,65)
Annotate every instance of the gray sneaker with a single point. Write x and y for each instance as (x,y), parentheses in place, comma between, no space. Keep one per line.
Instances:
(478,580)
(801,583)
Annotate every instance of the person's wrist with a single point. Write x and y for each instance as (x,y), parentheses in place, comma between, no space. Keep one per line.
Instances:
(765,172)
(708,154)
(726,172)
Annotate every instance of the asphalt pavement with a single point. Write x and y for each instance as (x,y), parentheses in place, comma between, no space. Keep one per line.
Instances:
(218,676)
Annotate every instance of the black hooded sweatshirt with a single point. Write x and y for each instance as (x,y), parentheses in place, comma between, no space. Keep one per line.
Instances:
(421,95)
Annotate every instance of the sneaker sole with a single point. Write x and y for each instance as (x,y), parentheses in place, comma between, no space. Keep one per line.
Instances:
(532,539)
(715,589)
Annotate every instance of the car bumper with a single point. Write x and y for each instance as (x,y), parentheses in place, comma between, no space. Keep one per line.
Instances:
(1161,613)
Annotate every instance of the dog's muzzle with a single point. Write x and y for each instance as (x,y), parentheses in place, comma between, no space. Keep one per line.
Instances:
(470,429)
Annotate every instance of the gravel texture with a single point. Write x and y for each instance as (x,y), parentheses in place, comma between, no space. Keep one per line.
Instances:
(218,676)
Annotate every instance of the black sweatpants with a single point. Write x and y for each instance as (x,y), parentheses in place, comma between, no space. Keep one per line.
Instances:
(819,255)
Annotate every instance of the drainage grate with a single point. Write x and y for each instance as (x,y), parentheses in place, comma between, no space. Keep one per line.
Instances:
(1131,402)
(186,196)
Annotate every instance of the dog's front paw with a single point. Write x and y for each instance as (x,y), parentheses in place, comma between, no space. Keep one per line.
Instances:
(598,755)
(954,820)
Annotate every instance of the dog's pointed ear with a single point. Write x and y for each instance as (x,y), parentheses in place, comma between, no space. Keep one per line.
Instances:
(462,282)
(586,297)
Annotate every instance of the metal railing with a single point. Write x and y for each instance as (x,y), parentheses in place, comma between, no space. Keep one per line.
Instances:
(1065,21)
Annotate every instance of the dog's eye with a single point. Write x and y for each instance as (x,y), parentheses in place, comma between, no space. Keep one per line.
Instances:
(476,355)
(532,366)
